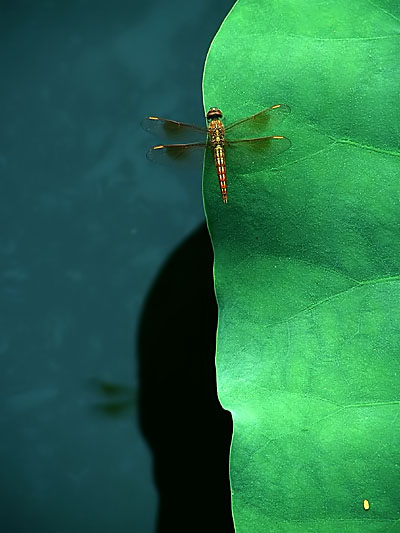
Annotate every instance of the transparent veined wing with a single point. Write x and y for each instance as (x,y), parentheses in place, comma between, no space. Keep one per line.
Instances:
(184,154)
(258,124)
(174,131)
(255,154)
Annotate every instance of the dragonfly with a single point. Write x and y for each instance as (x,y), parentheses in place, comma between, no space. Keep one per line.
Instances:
(230,144)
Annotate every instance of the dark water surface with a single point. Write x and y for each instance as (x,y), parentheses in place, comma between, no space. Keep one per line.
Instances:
(86,224)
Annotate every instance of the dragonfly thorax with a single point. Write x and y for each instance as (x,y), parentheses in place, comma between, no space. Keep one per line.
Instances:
(216,131)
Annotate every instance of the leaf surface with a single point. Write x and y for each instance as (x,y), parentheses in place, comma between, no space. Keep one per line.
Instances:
(307,265)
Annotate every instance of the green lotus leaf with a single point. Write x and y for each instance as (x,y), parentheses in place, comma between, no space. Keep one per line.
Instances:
(307,254)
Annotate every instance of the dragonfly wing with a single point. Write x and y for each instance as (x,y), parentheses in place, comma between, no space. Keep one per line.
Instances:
(258,153)
(257,124)
(172,130)
(185,154)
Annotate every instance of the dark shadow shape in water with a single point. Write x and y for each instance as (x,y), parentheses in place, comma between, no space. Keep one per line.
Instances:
(180,415)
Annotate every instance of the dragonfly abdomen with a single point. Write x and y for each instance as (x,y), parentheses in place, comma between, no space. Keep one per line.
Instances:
(216,131)
(219,156)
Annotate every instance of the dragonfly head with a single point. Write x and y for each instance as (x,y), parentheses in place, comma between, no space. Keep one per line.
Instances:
(214,113)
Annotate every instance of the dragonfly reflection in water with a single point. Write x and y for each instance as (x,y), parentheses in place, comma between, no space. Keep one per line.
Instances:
(231,143)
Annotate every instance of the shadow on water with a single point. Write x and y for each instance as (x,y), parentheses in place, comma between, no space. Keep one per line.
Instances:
(114,400)
(180,415)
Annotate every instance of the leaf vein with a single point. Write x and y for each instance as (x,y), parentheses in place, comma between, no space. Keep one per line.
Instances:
(343,39)
(380,8)
(331,415)
(332,296)
(367,147)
